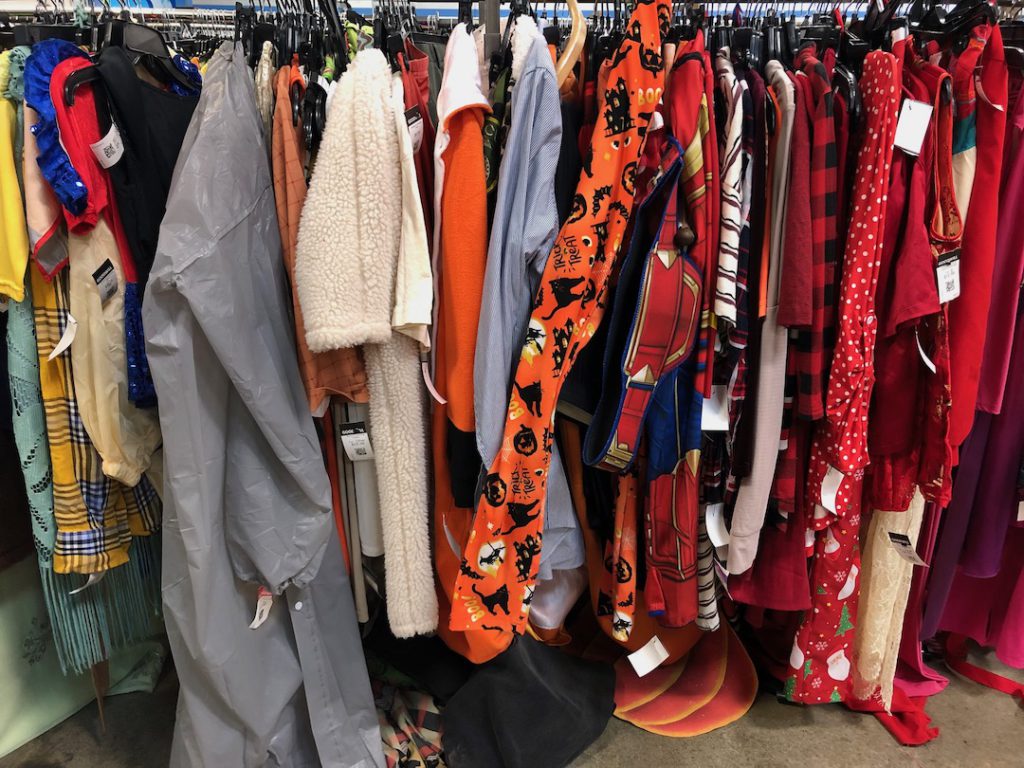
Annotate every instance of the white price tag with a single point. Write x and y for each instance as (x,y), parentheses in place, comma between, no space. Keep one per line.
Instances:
(264,602)
(355,441)
(947,273)
(1020,511)
(830,487)
(723,577)
(714,416)
(414,120)
(913,125)
(65,341)
(902,544)
(648,658)
(714,521)
(94,578)
(924,355)
(106,281)
(109,149)
(980,88)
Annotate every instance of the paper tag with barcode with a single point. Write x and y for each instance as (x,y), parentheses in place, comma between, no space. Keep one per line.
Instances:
(947,272)
(355,441)
(905,548)
(109,149)
(106,281)
(912,126)
(414,120)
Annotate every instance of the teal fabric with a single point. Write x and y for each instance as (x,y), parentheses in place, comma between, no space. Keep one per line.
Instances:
(121,609)
(30,423)
(16,93)
(965,133)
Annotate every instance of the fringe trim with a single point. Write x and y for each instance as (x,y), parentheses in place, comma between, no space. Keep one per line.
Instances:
(119,611)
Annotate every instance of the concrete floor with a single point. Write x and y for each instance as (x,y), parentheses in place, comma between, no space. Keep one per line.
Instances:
(980,728)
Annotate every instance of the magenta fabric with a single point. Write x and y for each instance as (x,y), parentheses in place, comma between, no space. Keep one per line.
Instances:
(954,527)
(991,611)
(1008,270)
(995,503)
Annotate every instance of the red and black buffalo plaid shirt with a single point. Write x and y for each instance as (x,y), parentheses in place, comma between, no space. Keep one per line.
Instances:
(814,345)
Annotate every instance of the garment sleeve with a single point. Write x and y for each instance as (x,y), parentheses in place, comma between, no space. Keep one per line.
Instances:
(732,195)
(795,300)
(239,441)
(524,229)
(414,281)
(14,238)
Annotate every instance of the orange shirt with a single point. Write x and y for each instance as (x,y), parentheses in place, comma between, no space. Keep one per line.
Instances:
(463,255)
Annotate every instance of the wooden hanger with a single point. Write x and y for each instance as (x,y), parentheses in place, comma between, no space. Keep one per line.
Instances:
(573,48)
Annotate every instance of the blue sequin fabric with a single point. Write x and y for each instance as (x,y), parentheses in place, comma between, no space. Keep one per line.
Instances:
(191,71)
(140,382)
(53,160)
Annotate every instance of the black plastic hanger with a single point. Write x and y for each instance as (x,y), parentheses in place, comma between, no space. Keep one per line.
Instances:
(955,26)
(466,14)
(144,41)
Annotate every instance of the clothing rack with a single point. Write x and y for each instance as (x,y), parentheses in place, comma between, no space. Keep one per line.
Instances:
(490,15)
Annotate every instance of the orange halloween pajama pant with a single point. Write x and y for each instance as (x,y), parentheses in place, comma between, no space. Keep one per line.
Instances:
(495,592)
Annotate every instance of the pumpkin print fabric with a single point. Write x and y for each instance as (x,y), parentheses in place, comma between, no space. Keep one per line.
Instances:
(494,592)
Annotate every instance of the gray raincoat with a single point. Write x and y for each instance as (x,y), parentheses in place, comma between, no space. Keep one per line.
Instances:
(246,497)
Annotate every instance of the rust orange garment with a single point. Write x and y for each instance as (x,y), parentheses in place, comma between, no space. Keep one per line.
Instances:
(568,307)
(340,371)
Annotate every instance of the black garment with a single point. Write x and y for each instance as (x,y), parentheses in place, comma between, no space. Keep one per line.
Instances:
(582,388)
(152,123)
(531,707)
(496,126)
(436,668)
(464,466)
(567,173)
(743,441)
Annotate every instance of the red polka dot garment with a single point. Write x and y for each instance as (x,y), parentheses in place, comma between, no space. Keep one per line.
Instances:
(820,662)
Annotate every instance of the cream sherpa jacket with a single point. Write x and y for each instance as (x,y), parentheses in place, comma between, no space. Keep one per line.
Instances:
(349,226)
(350,250)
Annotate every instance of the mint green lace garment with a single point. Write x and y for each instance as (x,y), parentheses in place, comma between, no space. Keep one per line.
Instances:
(15,92)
